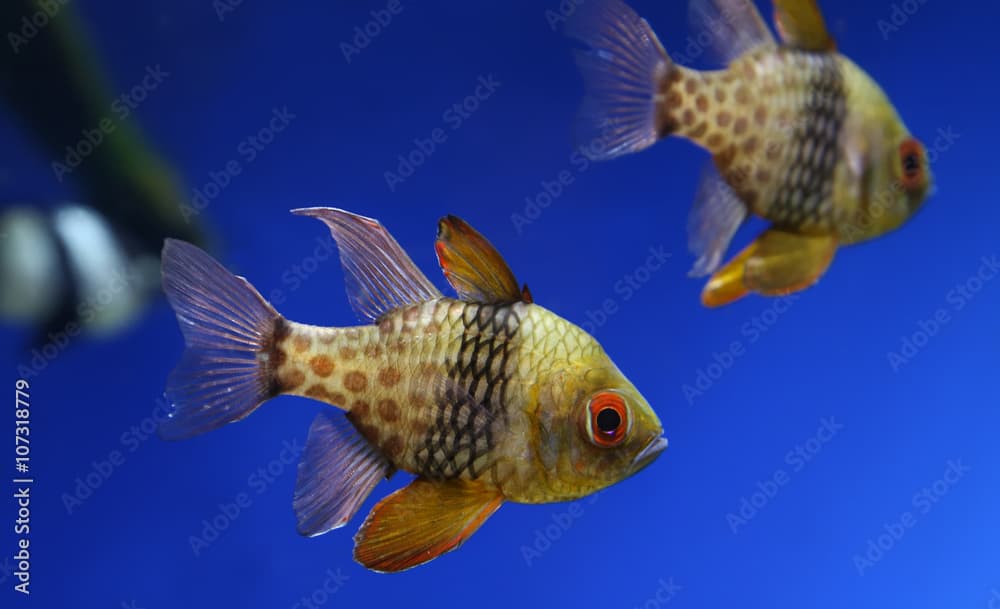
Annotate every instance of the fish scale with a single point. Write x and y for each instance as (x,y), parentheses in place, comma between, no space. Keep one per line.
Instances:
(772,122)
(439,431)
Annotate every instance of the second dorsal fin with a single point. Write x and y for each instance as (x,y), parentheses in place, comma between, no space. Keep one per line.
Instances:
(380,276)
(473,266)
(732,26)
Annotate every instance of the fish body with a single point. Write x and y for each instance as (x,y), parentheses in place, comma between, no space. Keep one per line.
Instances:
(449,389)
(486,398)
(799,135)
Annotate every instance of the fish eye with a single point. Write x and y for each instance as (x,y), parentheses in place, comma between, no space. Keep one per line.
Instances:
(607,419)
(911,154)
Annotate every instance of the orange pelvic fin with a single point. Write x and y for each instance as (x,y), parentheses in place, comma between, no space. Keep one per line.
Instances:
(775,264)
(422,521)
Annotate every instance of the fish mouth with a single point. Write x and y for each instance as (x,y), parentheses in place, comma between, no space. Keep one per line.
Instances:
(649,453)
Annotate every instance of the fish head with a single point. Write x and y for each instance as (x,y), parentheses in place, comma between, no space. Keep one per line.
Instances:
(596,431)
(902,176)
(911,172)
(889,166)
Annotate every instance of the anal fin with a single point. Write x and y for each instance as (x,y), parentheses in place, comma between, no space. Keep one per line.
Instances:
(337,473)
(775,264)
(422,521)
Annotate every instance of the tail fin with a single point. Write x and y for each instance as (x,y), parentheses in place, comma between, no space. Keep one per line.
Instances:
(229,330)
(626,71)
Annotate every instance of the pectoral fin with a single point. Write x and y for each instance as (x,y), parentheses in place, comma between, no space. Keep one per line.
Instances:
(422,521)
(801,25)
(775,264)
(473,266)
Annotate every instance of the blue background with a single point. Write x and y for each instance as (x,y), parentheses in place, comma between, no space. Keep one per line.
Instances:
(824,356)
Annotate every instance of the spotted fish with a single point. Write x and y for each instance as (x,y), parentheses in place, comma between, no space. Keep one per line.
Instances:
(485,398)
(799,135)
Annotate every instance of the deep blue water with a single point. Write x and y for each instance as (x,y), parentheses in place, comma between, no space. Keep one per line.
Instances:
(806,447)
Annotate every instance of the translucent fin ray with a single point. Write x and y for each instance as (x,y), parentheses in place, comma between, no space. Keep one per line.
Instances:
(734,27)
(337,473)
(623,68)
(715,217)
(380,276)
(227,326)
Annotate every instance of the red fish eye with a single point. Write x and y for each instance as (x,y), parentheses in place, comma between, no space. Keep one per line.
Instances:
(607,420)
(911,154)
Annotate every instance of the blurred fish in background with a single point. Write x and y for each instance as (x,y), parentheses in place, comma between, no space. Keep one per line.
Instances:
(91,267)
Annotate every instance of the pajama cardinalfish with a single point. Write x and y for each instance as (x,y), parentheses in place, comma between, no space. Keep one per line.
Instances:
(485,398)
(799,136)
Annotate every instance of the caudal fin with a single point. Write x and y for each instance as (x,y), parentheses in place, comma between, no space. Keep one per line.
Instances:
(229,330)
(626,71)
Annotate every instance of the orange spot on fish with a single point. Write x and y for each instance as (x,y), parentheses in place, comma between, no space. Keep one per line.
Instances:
(321,365)
(355,381)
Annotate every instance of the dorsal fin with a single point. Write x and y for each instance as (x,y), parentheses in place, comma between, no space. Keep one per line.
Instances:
(735,26)
(379,275)
(801,25)
(473,266)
